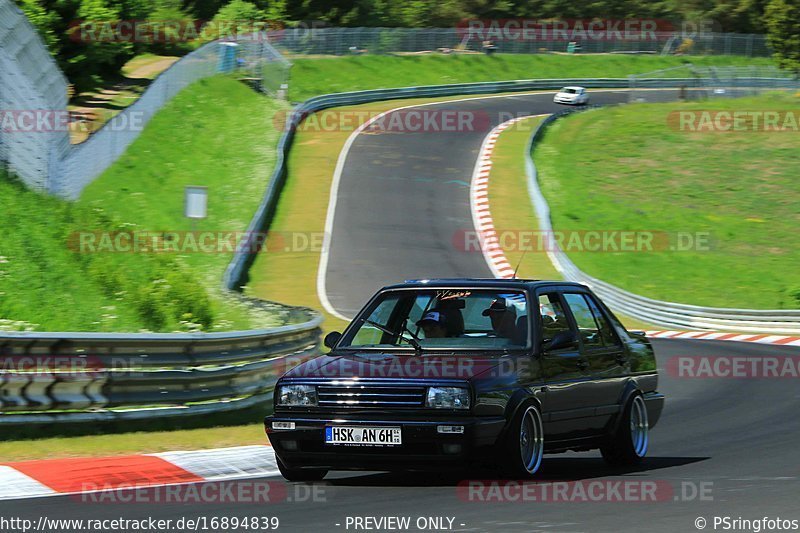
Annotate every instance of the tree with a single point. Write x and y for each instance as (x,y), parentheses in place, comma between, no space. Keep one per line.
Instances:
(103,53)
(238,17)
(46,22)
(783,32)
(171,28)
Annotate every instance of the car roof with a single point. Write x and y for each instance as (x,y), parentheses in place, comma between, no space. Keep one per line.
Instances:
(573,87)
(518,283)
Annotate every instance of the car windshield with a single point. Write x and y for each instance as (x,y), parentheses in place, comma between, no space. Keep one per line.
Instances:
(569,91)
(442,319)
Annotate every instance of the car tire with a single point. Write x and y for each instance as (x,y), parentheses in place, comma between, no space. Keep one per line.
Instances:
(628,446)
(298,474)
(524,444)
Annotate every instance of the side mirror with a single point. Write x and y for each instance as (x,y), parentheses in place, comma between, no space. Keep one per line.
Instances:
(564,339)
(331,339)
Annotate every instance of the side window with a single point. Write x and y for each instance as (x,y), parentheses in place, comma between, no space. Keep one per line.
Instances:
(588,330)
(554,320)
(606,330)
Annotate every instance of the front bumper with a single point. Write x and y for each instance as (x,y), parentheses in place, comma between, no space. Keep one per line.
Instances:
(423,447)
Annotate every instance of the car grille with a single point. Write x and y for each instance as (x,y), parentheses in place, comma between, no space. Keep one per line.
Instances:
(376,396)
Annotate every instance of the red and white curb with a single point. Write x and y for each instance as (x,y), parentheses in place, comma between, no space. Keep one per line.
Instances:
(479,203)
(501,268)
(777,340)
(53,477)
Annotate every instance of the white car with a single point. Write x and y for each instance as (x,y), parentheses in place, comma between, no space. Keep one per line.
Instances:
(572,96)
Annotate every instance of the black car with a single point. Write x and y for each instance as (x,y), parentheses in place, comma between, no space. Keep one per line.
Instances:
(452,372)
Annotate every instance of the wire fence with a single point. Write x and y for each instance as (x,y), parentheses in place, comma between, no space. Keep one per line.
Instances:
(342,41)
(33,100)
(88,160)
(714,82)
(31,87)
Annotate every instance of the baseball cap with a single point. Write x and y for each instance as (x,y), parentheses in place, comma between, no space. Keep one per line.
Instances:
(498,306)
(432,316)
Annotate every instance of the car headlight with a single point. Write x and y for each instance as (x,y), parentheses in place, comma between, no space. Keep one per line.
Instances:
(447,398)
(297,395)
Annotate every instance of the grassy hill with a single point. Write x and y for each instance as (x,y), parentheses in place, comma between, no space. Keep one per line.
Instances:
(216,133)
(633,168)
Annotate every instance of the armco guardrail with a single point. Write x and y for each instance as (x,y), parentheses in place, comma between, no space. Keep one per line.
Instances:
(94,377)
(669,314)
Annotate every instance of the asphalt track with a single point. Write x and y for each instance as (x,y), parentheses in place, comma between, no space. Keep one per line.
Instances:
(403,199)
(734,439)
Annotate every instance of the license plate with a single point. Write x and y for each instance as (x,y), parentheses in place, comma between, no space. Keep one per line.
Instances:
(362,436)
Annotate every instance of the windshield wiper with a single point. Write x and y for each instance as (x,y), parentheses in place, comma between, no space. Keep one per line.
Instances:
(413,340)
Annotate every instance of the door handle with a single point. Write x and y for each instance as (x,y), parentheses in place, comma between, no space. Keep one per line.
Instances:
(582,365)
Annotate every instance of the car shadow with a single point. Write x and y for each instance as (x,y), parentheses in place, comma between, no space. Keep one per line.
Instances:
(553,469)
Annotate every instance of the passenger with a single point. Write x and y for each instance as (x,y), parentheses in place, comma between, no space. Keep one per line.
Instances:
(503,317)
(434,325)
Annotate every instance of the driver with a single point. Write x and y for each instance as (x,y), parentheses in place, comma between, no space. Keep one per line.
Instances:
(503,317)
(433,324)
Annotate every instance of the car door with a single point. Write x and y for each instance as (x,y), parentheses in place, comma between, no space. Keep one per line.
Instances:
(605,353)
(567,406)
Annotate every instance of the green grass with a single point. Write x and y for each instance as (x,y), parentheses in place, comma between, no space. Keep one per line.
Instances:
(43,285)
(512,210)
(626,168)
(217,133)
(314,76)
